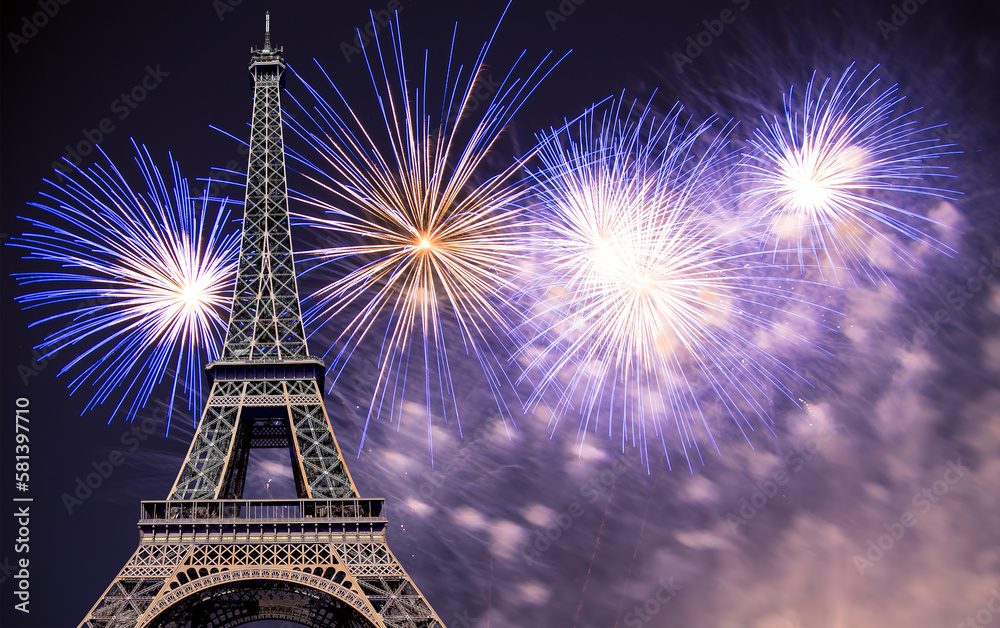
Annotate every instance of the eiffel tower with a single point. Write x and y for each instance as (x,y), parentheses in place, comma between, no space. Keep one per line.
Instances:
(208,558)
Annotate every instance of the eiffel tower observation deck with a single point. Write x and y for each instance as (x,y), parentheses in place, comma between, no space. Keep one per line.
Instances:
(207,557)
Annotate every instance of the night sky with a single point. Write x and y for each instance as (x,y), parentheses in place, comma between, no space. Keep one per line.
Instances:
(896,404)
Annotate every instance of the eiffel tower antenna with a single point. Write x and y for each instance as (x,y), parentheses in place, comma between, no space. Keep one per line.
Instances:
(267,30)
(207,558)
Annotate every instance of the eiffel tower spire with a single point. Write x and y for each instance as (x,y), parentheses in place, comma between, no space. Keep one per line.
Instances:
(266,322)
(209,558)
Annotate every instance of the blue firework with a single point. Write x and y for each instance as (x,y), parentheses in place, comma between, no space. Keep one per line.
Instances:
(836,177)
(136,282)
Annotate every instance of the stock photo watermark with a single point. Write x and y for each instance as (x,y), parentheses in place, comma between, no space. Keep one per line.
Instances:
(794,461)
(961,295)
(899,15)
(22,503)
(39,362)
(985,615)
(561,13)
(895,530)
(481,94)
(366,33)
(714,27)
(462,620)
(101,469)
(644,613)
(222,7)
(591,491)
(122,106)
(439,474)
(30,25)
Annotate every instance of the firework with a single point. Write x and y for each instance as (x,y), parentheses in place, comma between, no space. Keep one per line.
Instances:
(829,179)
(142,285)
(425,234)
(645,296)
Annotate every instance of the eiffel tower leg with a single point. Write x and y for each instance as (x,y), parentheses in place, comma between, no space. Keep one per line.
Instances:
(320,461)
(204,467)
(136,586)
(387,586)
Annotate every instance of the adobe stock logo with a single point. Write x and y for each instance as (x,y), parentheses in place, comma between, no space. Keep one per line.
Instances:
(957,298)
(123,106)
(365,34)
(482,95)
(592,490)
(89,481)
(30,25)
(644,613)
(896,529)
(983,616)
(899,16)
(696,44)
(565,9)
(794,461)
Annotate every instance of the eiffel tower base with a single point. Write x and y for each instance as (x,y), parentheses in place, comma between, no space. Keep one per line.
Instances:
(219,563)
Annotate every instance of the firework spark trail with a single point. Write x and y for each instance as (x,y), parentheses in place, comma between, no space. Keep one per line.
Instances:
(828,176)
(143,285)
(593,556)
(635,553)
(645,291)
(429,234)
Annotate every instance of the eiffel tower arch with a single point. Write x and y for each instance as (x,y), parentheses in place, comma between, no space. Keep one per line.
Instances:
(207,557)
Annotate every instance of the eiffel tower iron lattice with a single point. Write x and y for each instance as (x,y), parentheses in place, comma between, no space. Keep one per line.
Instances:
(207,557)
